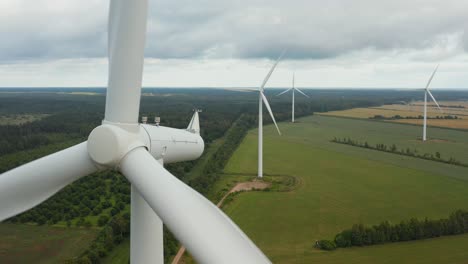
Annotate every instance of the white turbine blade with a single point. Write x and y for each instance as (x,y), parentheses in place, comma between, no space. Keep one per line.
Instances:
(244,90)
(267,105)
(284,92)
(293,81)
(29,185)
(432,76)
(271,71)
(209,235)
(433,99)
(302,92)
(127,30)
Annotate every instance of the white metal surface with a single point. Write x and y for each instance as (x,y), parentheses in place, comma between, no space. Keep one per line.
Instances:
(146,232)
(425,116)
(267,105)
(293,89)
(174,145)
(260,136)
(208,234)
(29,185)
(108,144)
(426,91)
(127,33)
(194,125)
(292,112)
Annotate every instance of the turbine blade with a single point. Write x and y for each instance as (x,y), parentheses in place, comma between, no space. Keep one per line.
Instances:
(244,90)
(302,92)
(432,76)
(284,92)
(209,235)
(433,99)
(126,43)
(271,71)
(269,111)
(29,185)
(293,81)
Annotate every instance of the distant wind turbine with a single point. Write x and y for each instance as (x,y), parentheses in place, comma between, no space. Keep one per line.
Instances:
(262,99)
(426,92)
(293,88)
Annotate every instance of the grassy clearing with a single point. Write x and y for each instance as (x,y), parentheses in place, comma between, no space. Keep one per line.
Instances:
(42,244)
(341,185)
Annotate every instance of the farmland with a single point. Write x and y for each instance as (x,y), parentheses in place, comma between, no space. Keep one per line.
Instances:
(42,244)
(412,113)
(342,185)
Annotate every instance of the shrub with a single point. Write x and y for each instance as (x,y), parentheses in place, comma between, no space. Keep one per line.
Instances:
(326,245)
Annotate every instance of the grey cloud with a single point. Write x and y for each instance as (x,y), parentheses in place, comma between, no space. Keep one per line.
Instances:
(242,29)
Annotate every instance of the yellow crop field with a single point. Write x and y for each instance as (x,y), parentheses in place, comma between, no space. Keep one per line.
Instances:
(451,123)
(413,110)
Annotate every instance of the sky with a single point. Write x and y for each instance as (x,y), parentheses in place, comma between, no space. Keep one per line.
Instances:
(221,43)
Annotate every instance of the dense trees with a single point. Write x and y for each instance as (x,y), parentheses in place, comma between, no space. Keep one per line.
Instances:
(385,232)
(211,171)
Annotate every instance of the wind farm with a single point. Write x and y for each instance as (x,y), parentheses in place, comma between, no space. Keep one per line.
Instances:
(176,158)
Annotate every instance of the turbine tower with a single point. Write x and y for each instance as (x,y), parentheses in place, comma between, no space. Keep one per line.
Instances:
(426,92)
(138,151)
(293,88)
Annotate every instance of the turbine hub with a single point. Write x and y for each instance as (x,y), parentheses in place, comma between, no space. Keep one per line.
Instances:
(108,144)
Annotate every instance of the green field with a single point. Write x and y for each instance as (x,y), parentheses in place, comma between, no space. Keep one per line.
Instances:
(342,185)
(21,243)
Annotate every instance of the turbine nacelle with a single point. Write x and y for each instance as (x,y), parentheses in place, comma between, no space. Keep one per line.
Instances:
(109,144)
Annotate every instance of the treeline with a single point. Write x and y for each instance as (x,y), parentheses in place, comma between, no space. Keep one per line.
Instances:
(413,117)
(413,229)
(210,173)
(401,151)
(15,138)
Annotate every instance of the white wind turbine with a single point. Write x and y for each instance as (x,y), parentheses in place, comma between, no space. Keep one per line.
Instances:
(137,151)
(293,88)
(426,92)
(262,99)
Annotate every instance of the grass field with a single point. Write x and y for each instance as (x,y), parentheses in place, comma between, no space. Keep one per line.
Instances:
(42,244)
(415,109)
(342,185)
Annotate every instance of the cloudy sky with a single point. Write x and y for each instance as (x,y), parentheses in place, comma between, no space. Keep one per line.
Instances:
(213,43)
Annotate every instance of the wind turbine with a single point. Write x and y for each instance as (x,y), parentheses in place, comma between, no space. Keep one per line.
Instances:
(137,151)
(262,99)
(293,88)
(426,92)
